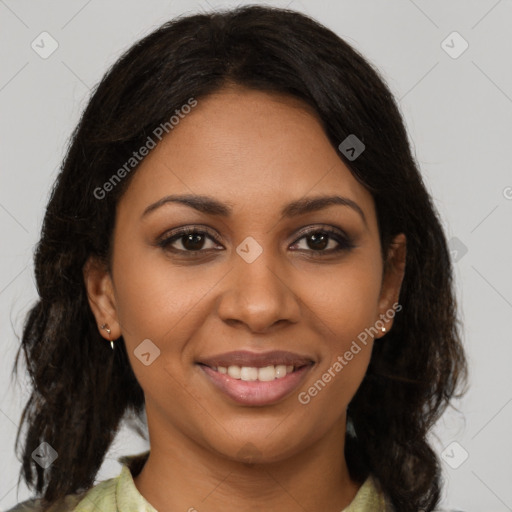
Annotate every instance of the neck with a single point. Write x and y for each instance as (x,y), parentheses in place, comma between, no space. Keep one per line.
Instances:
(180,474)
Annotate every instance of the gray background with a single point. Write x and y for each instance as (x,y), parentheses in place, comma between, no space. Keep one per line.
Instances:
(458,113)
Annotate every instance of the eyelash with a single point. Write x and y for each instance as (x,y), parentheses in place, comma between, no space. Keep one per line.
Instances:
(344,241)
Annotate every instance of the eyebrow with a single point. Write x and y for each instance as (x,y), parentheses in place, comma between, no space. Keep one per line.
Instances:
(211,206)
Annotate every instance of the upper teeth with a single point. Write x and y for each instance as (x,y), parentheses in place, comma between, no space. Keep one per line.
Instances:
(250,373)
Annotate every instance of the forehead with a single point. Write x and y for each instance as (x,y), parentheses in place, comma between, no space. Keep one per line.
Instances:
(251,149)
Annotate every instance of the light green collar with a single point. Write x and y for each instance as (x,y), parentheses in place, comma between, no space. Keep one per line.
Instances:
(120,494)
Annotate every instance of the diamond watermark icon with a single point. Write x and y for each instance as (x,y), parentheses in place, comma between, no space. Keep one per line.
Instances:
(249,453)
(454,45)
(454,455)
(146,352)
(44,455)
(249,249)
(351,147)
(44,45)
(457,249)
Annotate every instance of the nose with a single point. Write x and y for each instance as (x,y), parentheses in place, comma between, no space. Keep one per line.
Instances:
(258,295)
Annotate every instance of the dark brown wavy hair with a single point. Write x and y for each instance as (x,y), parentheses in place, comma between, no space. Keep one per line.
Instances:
(82,390)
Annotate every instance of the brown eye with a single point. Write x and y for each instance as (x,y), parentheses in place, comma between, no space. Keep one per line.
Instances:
(193,242)
(190,239)
(324,240)
(318,241)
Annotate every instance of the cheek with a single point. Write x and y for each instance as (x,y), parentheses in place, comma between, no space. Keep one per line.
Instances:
(345,297)
(155,298)
(166,304)
(161,303)
(344,308)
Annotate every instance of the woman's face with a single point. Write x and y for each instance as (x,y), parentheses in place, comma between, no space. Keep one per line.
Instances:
(260,276)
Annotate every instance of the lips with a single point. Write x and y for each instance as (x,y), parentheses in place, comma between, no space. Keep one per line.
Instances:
(256,379)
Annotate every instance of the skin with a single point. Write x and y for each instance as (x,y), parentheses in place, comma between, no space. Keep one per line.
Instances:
(256,152)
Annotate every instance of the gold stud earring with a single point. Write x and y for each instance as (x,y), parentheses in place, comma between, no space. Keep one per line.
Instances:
(106,328)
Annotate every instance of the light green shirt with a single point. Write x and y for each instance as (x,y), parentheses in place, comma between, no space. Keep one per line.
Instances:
(119,494)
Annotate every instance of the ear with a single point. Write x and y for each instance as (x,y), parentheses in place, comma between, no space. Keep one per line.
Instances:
(100,293)
(393,274)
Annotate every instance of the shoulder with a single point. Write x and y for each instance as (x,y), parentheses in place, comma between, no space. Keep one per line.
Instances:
(102,495)
(27,506)
(36,505)
(371,498)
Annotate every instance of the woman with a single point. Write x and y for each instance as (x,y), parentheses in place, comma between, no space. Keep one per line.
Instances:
(240,245)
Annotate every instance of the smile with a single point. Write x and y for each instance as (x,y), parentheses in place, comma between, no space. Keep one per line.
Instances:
(253,386)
